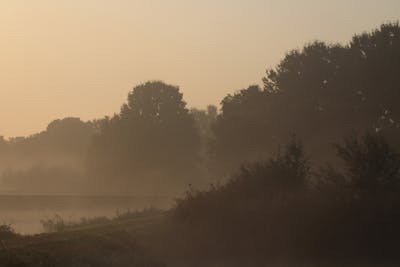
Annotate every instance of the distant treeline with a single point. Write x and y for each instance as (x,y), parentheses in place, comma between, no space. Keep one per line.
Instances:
(156,145)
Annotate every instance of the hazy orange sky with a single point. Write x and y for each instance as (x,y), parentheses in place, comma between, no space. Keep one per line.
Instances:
(80,58)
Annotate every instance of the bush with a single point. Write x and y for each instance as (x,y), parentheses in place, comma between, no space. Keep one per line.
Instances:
(7,232)
(257,210)
(279,210)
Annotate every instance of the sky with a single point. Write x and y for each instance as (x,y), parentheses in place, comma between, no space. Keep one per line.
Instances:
(80,58)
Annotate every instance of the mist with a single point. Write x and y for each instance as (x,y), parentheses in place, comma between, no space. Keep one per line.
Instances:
(299,168)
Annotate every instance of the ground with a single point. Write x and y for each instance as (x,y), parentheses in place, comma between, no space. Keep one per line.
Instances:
(116,243)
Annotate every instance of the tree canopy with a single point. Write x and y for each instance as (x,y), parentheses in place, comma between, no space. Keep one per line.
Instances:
(152,140)
(320,93)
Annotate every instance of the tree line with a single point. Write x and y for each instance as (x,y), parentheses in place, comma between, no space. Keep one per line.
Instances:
(156,144)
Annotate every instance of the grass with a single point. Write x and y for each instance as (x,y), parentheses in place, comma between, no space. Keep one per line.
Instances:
(266,215)
(7,232)
(114,242)
(59,224)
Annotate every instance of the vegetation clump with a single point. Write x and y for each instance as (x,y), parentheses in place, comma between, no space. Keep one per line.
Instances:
(281,210)
(7,232)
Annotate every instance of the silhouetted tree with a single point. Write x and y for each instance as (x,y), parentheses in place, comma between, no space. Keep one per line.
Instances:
(153,142)
(63,140)
(371,164)
(51,161)
(375,58)
(242,130)
(320,92)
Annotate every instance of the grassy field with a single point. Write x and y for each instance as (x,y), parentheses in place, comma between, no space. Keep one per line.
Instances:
(144,241)
(114,243)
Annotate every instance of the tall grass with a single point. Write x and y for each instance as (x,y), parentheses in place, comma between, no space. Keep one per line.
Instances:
(60,224)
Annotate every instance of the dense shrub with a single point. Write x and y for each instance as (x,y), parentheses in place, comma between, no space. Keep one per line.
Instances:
(280,210)
(7,232)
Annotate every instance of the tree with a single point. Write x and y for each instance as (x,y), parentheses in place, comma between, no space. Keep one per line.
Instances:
(320,93)
(242,130)
(375,64)
(371,164)
(153,141)
(333,89)
(63,139)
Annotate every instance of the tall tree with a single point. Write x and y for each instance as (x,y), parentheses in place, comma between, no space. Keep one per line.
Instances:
(153,141)
(320,93)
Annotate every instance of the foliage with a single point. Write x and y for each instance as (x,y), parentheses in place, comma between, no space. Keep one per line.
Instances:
(372,165)
(51,160)
(281,211)
(320,92)
(68,137)
(153,137)
(7,232)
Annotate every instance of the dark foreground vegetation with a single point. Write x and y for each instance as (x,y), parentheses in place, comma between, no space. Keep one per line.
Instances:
(280,212)
(308,203)
(98,244)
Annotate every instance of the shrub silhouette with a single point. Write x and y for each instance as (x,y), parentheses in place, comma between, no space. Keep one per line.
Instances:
(7,232)
(280,210)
